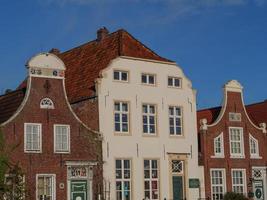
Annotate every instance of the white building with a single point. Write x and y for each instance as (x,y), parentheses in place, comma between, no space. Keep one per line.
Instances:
(147,117)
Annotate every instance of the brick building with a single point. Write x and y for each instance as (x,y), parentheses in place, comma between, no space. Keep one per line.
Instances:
(233,146)
(59,155)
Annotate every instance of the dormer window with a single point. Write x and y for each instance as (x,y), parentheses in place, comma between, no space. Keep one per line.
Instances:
(120,76)
(218,146)
(254,147)
(47,103)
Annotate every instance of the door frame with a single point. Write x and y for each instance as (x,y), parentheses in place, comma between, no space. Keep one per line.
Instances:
(79,181)
(181,157)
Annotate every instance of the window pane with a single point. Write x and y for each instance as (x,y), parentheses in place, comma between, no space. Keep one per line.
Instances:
(151,79)
(124,76)
(144,78)
(177,82)
(116,75)
(169,81)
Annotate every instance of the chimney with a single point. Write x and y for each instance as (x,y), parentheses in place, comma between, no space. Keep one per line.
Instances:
(54,51)
(102,33)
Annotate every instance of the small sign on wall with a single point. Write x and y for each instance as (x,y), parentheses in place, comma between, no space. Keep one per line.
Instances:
(194,183)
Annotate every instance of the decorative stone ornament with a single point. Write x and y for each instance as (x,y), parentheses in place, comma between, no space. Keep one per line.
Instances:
(46,65)
(263,127)
(203,124)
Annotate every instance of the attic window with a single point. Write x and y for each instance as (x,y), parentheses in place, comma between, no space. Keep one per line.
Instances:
(47,103)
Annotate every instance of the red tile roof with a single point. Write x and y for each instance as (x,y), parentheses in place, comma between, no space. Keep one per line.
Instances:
(84,63)
(9,104)
(257,113)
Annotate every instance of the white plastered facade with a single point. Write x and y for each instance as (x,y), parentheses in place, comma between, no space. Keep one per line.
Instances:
(137,147)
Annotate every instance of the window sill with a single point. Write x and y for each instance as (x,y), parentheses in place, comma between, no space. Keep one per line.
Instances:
(237,157)
(122,134)
(149,135)
(34,152)
(222,156)
(62,152)
(255,157)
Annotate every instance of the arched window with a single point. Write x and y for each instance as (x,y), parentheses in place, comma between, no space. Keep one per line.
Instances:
(46,103)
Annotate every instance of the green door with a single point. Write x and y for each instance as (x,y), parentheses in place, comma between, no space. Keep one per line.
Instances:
(177,184)
(78,190)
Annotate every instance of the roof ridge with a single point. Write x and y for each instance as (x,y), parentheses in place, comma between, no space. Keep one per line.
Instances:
(87,43)
(153,52)
(12,92)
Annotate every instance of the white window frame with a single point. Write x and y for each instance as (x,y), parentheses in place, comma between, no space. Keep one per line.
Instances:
(147,75)
(243,171)
(215,140)
(151,179)
(121,113)
(53,186)
(44,105)
(252,139)
(241,154)
(120,75)
(40,138)
(175,116)
(223,185)
(148,115)
(68,139)
(122,180)
(173,78)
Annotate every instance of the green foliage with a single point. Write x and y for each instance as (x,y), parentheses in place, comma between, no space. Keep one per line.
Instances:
(234,196)
(11,186)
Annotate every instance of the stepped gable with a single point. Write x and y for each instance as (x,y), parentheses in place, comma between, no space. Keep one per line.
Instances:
(84,63)
(9,103)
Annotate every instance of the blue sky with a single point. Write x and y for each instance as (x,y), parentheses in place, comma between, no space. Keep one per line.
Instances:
(212,40)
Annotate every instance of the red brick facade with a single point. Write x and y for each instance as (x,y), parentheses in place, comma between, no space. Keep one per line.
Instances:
(220,124)
(85,145)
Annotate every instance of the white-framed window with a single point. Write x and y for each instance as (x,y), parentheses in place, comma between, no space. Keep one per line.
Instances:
(148,79)
(121,117)
(151,179)
(123,179)
(119,75)
(219,146)
(175,120)
(253,146)
(61,138)
(32,137)
(218,181)
(149,119)
(46,185)
(236,142)
(46,103)
(174,82)
(239,181)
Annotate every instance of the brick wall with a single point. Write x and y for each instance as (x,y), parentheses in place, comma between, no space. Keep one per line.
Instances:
(84,145)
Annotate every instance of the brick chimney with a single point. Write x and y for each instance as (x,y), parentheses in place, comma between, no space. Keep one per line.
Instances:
(102,33)
(54,51)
